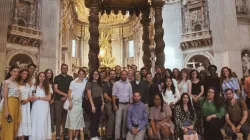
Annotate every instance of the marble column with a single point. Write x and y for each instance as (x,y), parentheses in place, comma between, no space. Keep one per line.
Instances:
(5,8)
(145,37)
(94,48)
(50,27)
(159,32)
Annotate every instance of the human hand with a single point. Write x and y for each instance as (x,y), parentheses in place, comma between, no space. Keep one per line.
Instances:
(70,105)
(184,130)
(6,114)
(93,109)
(115,108)
(102,109)
(63,99)
(237,129)
(191,127)
(208,118)
(233,128)
(51,102)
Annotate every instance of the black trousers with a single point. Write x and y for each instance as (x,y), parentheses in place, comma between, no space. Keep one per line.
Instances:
(95,117)
(212,129)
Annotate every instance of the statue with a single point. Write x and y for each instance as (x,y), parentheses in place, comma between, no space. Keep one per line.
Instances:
(246,63)
(200,67)
(241,6)
(105,44)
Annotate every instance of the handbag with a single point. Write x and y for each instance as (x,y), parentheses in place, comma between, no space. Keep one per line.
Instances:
(66,103)
(193,136)
(85,101)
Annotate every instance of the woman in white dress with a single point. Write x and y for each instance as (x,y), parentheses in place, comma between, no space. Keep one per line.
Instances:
(24,87)
(75,120)
(40,113)
(170,92)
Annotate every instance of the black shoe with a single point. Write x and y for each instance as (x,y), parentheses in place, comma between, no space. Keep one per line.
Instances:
(66,138)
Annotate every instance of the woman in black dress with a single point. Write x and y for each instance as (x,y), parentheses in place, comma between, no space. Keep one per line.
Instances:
(197,92)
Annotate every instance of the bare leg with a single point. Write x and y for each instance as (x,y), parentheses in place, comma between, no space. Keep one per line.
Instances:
(165,132)
(70,134)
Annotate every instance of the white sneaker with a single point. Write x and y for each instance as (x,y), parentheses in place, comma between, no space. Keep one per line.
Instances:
(75,139)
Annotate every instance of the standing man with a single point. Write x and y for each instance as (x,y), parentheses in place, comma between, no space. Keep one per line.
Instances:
(122,97)
(134,68)
(107,91)
(118,72)
(212,80)
(144,73)
(236,116)
(140,85)
(130,76)
(61,87)
(137,118)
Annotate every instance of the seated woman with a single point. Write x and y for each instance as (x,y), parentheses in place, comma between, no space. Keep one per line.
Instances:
(212,112)
(185,116)
(160,116)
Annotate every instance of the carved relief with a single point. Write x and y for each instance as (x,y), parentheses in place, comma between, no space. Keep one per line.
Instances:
(195,24)
(241,6)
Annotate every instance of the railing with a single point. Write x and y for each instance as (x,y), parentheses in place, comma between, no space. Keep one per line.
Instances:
(25,31)
(196,39)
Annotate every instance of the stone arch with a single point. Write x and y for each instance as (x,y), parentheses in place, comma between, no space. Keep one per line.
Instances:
(205,55)
(13,53)
(21,22)
(245,61)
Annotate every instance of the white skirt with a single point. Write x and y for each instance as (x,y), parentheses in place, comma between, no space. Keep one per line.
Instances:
(25,124)
(75,120)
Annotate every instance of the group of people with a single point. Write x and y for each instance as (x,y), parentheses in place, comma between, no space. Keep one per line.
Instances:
(136,103)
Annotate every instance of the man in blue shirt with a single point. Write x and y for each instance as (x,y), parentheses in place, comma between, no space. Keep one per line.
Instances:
(137,118)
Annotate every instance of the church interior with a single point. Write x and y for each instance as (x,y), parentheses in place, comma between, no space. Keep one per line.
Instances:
(96,33)
(179,34)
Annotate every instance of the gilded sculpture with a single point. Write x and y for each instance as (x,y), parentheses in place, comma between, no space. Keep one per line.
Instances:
(105,43)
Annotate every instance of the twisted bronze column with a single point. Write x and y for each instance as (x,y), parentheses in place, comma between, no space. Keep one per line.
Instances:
(159,32)
(145,37)
(94,36)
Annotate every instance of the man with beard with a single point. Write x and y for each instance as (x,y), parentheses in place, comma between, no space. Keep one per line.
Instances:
(107,94)
(137,118)
(236,116)
(61,88)
(144,73)
(118,72)
(121,97)
(212,80)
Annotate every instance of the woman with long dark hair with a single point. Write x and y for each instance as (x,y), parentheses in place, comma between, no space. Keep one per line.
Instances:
(212,112)
(50,76)
(95,96)
(185,116)
(160,116)
(11,114)
(228,81)
(40,112)
(197,92)
(170,93)
(176,74)
(24,87)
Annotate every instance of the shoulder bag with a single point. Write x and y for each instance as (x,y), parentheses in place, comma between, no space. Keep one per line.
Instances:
(85,101)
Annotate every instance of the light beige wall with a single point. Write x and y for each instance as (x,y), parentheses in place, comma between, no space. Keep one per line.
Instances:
(50,27)
(5,7)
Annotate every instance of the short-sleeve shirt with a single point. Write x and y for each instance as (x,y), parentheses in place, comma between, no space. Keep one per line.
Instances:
(231,83)
(107,88)
(77,88)
(235,111)
(13,89)
(95,88)
(157,115)
(62,84)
